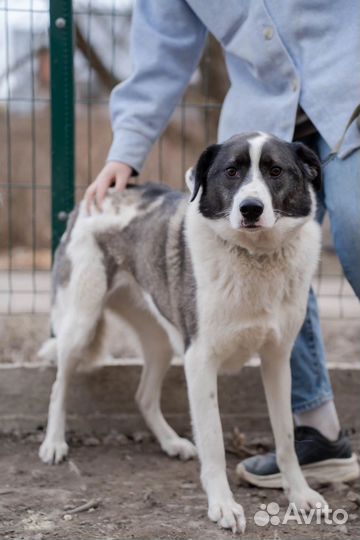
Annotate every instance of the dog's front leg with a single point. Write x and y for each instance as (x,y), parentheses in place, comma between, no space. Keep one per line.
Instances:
(276,374)
(201,375)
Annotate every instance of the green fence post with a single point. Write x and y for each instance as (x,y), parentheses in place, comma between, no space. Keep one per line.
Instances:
(62,116)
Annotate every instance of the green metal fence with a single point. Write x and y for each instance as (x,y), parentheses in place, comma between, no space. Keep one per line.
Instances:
(62,115)
(46,164)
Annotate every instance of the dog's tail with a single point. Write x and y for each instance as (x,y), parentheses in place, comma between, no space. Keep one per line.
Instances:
(95,356)
(48,351)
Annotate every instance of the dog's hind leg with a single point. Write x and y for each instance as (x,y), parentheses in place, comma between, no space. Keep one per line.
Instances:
(157,354)
(78,338)
(156,363)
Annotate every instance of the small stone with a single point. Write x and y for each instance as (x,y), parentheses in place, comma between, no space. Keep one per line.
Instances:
(36,474)
(353,497)
(342,528)
(91,441)
(37,437)
(353,517)
(92,509)
(115,438)
(141,436)
(150,499)
(67,517)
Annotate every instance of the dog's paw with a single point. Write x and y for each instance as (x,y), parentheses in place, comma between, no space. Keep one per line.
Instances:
(53,451)
(228,515)
(180,447)
(307,499)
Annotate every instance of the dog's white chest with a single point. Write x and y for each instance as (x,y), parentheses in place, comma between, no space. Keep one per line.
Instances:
(245,302)
(234,328)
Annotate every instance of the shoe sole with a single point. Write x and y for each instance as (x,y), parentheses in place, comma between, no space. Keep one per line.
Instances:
(329,470)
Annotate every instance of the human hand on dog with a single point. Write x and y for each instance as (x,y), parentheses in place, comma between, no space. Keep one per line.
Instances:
(114,174)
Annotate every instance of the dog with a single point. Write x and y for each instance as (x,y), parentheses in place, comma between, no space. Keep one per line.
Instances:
(216,279)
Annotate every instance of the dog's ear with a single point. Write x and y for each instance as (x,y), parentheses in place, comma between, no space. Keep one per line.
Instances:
(310,164)
(199,175)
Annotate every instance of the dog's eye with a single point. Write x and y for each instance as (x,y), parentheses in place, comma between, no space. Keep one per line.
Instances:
(275,171)
(231,171)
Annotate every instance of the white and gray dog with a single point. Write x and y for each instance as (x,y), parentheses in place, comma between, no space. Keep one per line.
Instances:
(216,280)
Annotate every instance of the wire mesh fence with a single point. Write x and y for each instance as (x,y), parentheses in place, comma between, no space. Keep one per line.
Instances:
(101,59)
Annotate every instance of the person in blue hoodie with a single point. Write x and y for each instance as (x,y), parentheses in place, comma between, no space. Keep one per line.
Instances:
(294,72)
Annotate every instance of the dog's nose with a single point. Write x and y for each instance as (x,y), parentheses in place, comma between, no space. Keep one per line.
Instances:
(251,209)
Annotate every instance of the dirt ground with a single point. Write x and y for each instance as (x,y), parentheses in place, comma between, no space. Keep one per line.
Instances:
(137,492)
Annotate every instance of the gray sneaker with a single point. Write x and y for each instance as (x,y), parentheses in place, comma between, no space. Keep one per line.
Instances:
(319,458)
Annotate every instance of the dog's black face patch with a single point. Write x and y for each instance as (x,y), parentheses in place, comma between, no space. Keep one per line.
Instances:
(285,168)
(220,171)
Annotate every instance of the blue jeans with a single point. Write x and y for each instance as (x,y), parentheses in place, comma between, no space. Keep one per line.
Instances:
(340,197)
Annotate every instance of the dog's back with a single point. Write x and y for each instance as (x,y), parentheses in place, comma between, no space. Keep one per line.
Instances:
(139,238)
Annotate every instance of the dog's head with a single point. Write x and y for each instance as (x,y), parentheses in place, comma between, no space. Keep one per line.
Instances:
(256,182)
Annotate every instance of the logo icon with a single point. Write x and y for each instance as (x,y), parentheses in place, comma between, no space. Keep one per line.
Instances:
(268,514)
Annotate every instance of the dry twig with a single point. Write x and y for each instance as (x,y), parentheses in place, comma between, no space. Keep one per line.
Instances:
(93,503)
